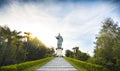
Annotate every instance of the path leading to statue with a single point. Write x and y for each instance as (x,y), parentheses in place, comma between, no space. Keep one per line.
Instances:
(57,64)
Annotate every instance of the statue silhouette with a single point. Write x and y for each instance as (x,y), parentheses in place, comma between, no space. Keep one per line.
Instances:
(59,41)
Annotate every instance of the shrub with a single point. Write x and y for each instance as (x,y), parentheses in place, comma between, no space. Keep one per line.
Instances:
(25,65)
(8,68)
(87,66)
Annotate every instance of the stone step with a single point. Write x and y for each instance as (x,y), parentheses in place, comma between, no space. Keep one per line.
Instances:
(57,69)
(57,64)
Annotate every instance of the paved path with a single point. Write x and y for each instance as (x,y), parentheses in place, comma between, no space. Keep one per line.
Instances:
(57,64)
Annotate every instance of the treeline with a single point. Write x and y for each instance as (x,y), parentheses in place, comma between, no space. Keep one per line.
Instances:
(16,48)
(77,54)
(107,49)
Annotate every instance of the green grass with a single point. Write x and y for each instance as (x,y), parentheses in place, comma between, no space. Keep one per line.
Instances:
(85,66)
(78,68)
(27,66)
(35,67)
(74,65)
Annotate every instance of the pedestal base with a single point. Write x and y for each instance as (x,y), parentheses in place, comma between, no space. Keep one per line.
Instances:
(59,52)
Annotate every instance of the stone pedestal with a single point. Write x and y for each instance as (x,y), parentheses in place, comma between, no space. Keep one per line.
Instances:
(59,52)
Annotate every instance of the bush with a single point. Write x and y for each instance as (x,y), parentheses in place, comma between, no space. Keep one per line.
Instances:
(8,68)
(87,66)
(25,65)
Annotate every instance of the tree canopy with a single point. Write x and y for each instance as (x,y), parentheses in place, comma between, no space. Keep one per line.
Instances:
(107,47)
(77,54)
(13,49)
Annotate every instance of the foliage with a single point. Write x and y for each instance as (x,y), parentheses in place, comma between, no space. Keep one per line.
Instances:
(69,53)
(77,54)
(107,51)
(7,36)
(8,68)
(15,49)
(87,66)
(25,65)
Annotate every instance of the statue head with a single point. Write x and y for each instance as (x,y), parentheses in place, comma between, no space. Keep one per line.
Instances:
(58,34)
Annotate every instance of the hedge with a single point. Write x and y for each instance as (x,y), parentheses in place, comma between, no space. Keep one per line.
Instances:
(25,65)
(87,66)
(8,68)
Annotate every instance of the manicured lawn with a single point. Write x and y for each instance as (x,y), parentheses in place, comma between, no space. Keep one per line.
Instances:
(27,66)
(35,67)
(85,66)
(74,65)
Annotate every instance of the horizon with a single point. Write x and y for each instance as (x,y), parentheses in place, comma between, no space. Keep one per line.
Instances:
(77,21)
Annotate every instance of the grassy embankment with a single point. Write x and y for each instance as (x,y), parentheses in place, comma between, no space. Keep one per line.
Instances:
(84,66)
(27,66)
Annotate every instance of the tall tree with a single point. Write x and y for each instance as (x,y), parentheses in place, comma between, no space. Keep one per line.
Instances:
(27,35)
(107,42)
(13,49)
(8,36)
(19,43)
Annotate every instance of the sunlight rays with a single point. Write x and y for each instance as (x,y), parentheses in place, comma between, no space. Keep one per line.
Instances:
(75,21)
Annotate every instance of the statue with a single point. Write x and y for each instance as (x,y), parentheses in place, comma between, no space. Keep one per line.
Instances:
(59,41)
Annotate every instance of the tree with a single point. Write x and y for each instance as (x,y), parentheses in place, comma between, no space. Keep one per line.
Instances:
(13,49)
(8,36)
(69,53)
(18,43)
(26,43)
(36,49)
(50,51)
(108,45)
(77,54)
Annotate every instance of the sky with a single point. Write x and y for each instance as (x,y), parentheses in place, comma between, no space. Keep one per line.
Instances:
(78,21)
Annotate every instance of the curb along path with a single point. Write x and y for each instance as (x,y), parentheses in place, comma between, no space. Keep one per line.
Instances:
(57,64)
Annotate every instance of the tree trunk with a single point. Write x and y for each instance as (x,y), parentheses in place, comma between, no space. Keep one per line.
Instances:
(5,55)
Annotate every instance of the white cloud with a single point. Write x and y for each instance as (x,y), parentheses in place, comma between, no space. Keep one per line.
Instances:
(78,26)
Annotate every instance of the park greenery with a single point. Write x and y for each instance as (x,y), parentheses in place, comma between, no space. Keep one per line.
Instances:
(26,66)
(85,66)
(77,54)
(107,47)
(21,52)
(16,48)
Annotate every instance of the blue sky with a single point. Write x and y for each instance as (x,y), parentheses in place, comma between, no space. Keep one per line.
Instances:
(78,21)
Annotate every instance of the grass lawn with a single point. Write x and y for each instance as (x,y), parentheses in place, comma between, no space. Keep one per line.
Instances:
(26,66)
(33,68)
(74,65)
